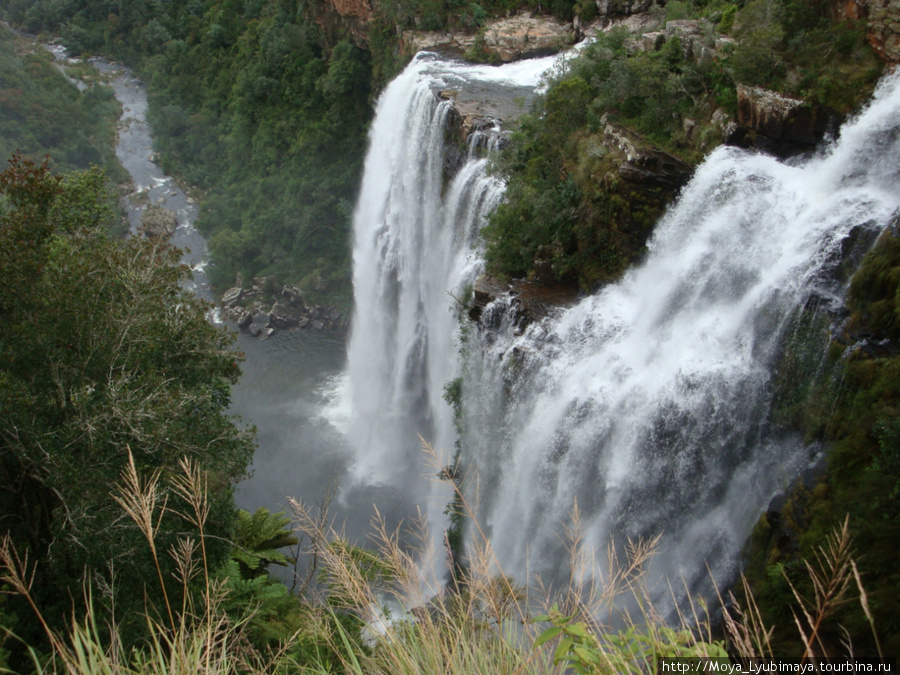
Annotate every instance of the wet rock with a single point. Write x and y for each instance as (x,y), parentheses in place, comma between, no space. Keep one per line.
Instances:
(262,319)
(778,124)
(486,290)
(231,296)
(529,301)
(244,320)
(284,315)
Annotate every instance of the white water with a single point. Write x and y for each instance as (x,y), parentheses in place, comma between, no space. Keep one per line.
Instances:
(649,402)
(414,253)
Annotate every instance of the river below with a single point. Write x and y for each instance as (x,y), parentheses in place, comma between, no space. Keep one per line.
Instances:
(289,380)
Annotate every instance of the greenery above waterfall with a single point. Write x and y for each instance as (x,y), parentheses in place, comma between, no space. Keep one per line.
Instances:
(265,106)
(571,214)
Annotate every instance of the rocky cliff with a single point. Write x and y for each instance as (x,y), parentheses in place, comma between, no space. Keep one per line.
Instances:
(508,39)
(883,24)
(345,17)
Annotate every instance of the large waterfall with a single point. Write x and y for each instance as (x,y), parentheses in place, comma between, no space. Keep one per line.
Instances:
(649,403)
(414,252)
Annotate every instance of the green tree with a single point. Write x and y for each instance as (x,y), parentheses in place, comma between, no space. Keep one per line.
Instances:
(102,352)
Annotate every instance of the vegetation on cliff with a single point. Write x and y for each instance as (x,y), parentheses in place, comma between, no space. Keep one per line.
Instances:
(105,357)
(850,402)
(573,213)
(249,103)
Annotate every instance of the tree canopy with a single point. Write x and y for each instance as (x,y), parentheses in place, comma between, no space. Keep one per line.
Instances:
(102,354)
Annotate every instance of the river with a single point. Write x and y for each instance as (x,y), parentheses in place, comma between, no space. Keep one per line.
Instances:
(289,380)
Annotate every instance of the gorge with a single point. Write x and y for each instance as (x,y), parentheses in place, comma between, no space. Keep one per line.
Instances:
(587,359)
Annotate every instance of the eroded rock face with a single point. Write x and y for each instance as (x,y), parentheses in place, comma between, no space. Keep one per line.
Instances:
(644,165)
(884,25)
(353,16)
(361,9)
(779,124)
(528,302)
(524,36)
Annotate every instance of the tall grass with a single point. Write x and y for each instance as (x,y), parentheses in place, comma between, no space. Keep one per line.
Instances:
(603,621)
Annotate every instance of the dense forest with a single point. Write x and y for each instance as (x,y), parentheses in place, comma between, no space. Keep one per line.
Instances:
(108,364)
(43,114)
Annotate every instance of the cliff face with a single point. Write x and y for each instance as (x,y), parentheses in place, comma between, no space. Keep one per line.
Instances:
(338,18)
(361,9)
(509,39)
(883,24)
(884,27)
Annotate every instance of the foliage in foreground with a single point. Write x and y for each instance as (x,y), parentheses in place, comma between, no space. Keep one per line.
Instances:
(483,623)
(103,356)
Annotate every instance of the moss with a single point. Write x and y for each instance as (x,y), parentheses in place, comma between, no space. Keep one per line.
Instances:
(857,410)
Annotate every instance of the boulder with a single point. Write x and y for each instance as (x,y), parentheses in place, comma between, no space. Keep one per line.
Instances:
(778,124)
(644,164)
(688,31)
(284,315)
(244,320)
(231,296)
(512,38)
(292,295)
(159,222)
(261,319)
(524,36)
(883,25)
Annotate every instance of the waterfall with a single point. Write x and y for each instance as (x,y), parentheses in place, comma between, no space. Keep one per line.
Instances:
(415,242)
(650,402)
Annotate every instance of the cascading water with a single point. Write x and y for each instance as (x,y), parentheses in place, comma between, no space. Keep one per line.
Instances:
(649,403)
(414,251)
